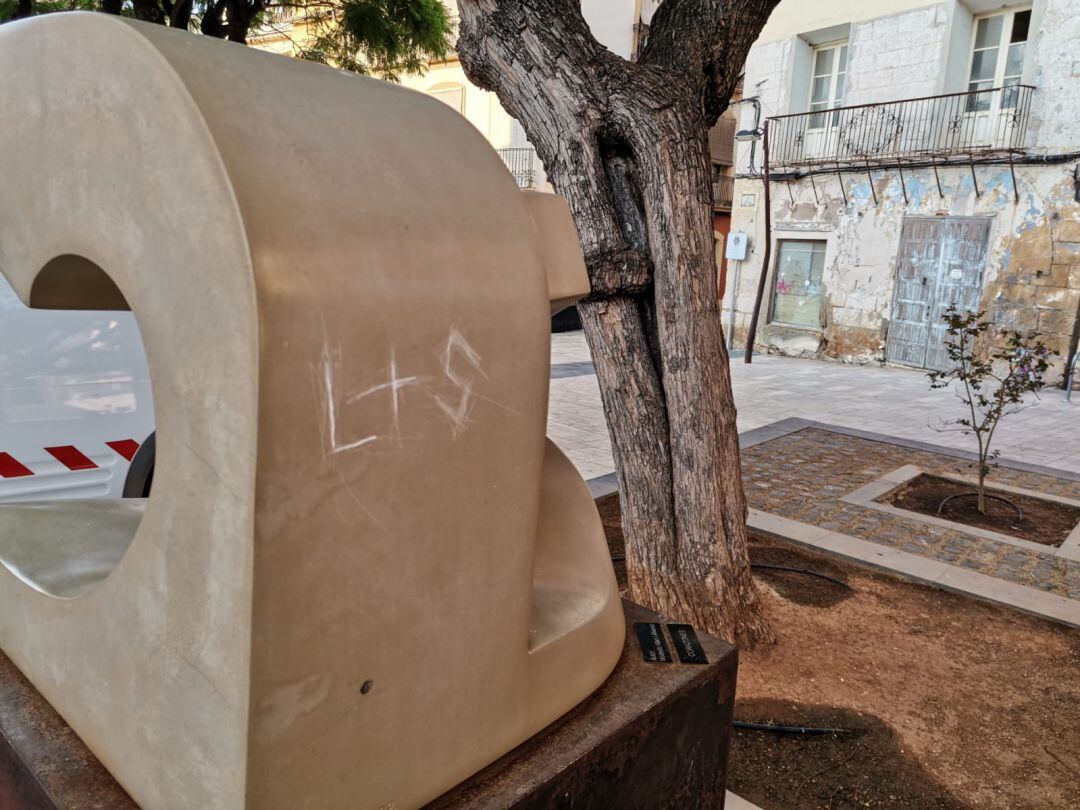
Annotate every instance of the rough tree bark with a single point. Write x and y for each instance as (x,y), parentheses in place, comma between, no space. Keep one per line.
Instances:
(627,145)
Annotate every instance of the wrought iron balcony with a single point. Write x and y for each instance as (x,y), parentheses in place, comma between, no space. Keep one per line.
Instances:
(957,127)
(723,192)
(722,141)
(520,161)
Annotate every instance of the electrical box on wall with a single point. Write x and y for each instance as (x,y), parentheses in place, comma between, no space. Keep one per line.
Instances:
(736,246)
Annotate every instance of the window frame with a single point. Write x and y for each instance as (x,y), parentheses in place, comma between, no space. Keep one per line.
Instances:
(999,79)
(436,91)
(780,241)
(837,83)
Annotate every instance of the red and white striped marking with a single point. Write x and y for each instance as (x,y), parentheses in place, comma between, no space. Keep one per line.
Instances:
(68,455)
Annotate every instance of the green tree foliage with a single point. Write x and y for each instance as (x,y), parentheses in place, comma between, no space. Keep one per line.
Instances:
(382,37)
(990,384)
(225,19)
(14,9)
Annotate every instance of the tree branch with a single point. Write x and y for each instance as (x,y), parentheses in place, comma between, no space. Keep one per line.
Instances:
(541,60)
(706,41)
(490,31)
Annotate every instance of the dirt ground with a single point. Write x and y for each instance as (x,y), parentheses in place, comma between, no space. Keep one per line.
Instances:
(1042,521)
(866,766)
(948,701)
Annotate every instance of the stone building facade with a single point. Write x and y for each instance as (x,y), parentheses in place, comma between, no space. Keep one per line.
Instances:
(921,154)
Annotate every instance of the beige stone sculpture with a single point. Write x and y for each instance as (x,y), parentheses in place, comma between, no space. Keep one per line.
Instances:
(363,572)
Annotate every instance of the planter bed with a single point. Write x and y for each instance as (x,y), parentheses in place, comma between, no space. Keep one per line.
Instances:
(945,701)
(1039,520)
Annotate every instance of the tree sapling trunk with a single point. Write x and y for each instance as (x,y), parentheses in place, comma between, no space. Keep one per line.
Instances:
(990,382)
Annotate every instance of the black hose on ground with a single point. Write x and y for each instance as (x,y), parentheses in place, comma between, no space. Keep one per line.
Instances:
(805,571)
(788,729)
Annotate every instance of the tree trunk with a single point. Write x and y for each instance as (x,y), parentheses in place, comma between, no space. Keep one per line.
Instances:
(148,11)
(180,15)
(627,146)
(213,20)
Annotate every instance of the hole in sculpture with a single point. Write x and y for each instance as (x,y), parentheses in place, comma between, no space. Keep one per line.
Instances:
(75,408)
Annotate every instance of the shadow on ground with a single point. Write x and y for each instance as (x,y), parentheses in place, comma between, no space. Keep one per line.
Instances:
(866,767)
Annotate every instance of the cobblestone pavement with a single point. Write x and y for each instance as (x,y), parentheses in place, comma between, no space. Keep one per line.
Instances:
(803,475)
(891,401)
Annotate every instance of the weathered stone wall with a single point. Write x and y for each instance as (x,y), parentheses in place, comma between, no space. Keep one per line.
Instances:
(1055,71)
(1032,274)
(897,55)
(1038,287)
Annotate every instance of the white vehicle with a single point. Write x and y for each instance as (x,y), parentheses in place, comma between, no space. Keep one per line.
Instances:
(75,404)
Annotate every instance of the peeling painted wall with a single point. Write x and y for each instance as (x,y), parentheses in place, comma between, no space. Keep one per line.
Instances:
(1032,274)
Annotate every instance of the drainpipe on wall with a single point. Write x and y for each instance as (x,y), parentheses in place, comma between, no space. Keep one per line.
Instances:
(748,352)
(1072,357)
(731,305)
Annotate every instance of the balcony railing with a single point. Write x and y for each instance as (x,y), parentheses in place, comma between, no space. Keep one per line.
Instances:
(722,141)
(723,192)
(521,161)
(953,127)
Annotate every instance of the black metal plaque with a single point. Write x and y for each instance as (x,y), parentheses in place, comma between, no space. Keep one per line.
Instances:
(686,644)
(654,648)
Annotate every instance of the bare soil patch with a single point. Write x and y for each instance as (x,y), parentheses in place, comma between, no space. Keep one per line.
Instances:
(951,702)
(611,517)
(1046,522)
(800,579)
(865,767)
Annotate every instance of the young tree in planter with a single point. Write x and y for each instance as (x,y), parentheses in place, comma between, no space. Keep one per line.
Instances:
(991,385)
(626,143)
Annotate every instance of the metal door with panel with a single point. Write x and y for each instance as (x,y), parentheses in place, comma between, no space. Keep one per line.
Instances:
(940,262)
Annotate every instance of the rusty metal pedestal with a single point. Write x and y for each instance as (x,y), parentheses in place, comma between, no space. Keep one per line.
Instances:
(654,735)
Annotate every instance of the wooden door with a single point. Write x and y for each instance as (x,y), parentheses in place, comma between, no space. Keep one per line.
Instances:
(940,263)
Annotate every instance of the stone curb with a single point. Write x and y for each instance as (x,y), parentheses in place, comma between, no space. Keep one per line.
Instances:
(866,496)
(733,802)
(921,569)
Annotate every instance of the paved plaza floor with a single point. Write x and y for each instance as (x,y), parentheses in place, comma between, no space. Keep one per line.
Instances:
(891,401)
